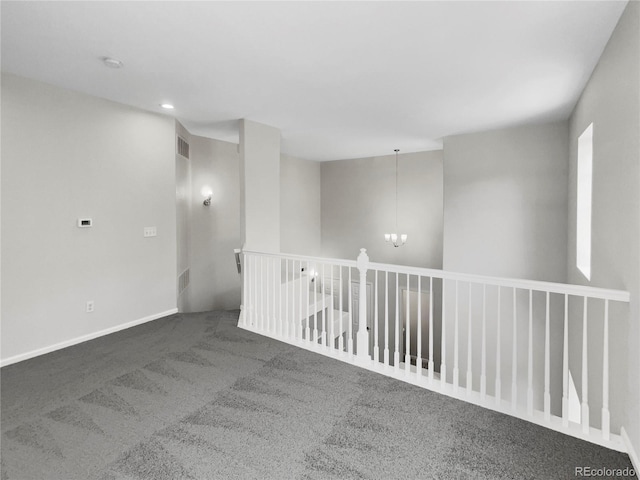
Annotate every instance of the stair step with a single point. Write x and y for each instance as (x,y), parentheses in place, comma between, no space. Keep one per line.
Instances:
(336,324)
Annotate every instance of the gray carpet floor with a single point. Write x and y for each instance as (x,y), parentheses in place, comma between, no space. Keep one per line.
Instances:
(194,397)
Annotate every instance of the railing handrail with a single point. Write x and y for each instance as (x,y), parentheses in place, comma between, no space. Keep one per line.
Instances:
(315,329)
(292,256)
(551,287)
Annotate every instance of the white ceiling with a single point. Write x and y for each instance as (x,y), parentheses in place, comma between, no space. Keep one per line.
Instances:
(339,79)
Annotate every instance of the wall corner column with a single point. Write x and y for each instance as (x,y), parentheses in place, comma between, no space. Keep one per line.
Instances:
(259,187)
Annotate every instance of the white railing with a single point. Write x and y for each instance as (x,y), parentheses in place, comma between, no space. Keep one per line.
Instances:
(458,334)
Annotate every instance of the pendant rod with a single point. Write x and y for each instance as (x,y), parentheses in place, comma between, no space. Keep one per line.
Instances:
(396,150)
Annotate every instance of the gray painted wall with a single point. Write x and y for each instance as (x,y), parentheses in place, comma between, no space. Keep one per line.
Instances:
(214,230)
(358,208)
(300,206)
(65,156)
(505,200)
(611,100)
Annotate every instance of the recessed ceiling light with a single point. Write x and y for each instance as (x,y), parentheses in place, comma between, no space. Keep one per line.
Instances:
(112,62)
(168,106)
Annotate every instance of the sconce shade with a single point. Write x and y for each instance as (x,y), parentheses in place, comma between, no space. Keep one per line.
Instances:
(207,193)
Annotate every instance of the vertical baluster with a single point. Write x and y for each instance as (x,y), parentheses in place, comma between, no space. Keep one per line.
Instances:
(269,281)
(262,293)
(299,322)
(274,273)
(246,301)
(244,289)
(324,334)
(291,304)
(547,366)
(498,387)
(585,371)
(341,339)
(419,333)
(274,293)
(287,326)
(469,343)
(254,273)
(307,328)
(332,336)
(407,323)
(376,348)
(565,364)
(274,301)
(430,365)
(530,358)
(278,275)
(396,353)
(350,338)
(514,358)
(291,300)
(606,423)
(315,306)
(257,291)
(246,272)
(256,294)
(483,368)
(386,319)
(456,372)
(443,341)
(254,303)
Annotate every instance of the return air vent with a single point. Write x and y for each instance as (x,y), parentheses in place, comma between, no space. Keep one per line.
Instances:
(182,147)
(183,281)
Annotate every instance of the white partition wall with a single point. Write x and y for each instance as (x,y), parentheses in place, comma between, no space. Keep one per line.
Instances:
(259,186)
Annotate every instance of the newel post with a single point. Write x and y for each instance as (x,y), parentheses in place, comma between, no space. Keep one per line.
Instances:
(363,334)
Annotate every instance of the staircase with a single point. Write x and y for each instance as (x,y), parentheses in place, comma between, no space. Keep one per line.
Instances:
(309,311)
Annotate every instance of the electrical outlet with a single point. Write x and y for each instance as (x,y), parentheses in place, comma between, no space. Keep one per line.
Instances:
(90,306)
(150,231)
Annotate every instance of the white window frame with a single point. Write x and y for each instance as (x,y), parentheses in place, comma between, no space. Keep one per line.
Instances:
(584,201)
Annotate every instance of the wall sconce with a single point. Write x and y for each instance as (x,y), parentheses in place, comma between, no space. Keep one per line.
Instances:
(206,192)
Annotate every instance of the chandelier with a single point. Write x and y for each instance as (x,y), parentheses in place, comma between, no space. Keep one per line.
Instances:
(396,239)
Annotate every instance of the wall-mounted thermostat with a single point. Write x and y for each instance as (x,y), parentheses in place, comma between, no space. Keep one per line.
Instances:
(85,222)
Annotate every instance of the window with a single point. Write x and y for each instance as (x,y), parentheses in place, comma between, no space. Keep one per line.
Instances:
(583,219)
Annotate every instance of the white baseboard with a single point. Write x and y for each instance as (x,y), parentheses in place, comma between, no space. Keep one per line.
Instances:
(633,455)
(74,341)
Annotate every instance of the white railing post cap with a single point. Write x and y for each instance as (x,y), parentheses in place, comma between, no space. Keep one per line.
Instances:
(363,259)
